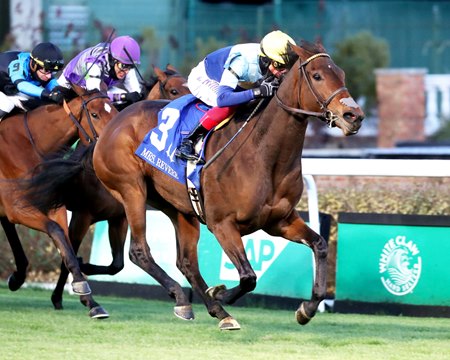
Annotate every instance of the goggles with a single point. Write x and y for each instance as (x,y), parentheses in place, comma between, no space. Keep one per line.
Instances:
(278,66)
(123,66)
(49,65)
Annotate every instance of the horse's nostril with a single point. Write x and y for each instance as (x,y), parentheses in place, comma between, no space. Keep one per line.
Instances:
(350,117)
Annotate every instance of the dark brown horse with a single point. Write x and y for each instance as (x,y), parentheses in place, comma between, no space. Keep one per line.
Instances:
(24,140)
(254,184)
(71,182)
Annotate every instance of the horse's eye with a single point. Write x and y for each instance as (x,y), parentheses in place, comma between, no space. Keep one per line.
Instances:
(317,76)
(94,115)
(174,92)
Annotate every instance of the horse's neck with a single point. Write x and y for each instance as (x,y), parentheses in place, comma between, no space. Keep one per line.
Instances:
(50,128)
(280,136)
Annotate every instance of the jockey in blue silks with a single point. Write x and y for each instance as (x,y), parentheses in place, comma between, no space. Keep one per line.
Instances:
(236,75)
(25,75)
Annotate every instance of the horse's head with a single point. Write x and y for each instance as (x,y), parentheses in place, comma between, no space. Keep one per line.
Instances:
(170,84)
(321,90)
(90,111)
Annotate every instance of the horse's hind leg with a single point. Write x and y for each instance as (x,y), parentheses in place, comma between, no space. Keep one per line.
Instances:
(17,278)
(79,225)
(141,256)
(187,234)
(117,232)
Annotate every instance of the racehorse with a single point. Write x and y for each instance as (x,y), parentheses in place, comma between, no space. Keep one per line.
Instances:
(255,183)
(71,182)
(25,138)
(168,84)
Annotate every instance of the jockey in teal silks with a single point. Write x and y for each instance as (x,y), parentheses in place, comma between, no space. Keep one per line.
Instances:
(25,75)
(236,75)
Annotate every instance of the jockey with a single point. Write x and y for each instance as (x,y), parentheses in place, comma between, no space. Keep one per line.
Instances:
(235,75)
(25,75)
(114,64)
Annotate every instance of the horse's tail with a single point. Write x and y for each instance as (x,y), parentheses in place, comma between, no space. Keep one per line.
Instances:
(54,180)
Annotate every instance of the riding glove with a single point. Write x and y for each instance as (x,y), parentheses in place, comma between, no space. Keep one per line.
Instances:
(131,97)
(266,88)
(54,96)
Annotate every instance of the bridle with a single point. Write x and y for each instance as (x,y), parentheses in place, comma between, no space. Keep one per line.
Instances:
(88,117)
(74,120)
(326,115)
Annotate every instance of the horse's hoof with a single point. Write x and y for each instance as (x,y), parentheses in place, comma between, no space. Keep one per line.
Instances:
(57,303)
(214,290)
(184,312)
(14,283)
(302,316)
(229,323)
(98,313)
(81,288)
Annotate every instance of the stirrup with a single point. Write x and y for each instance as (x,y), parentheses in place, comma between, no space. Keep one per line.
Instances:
(188,157)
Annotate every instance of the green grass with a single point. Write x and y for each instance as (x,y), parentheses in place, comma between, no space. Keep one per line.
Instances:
(144,329)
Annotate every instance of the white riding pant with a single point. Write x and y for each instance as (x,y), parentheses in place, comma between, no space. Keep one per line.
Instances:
(201,86)
(8,103)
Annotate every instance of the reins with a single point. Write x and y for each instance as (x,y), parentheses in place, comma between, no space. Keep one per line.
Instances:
(74,120)
(326,115)
(88,117)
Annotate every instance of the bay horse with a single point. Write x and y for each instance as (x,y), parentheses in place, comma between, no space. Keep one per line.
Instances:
(255,183)
(26,138)
(70,181)
(167,84)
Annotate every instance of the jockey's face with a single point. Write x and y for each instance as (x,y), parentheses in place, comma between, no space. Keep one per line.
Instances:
(121,70)
(43,75)
(277,69)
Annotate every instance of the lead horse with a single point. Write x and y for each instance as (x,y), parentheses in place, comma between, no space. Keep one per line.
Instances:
(24,140)
(255,183)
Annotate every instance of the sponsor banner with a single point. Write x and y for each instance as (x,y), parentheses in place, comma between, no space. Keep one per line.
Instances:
(283,268)
(397,260)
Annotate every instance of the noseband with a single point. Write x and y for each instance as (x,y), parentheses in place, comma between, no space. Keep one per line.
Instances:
(88,116)
(326,115)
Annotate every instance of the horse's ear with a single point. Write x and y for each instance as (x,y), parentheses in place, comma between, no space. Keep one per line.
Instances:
(299,51)
(159,73)
(171,68)
(103,87)
(78,89)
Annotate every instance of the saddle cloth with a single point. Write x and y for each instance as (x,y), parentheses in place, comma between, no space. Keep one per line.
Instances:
(175,121)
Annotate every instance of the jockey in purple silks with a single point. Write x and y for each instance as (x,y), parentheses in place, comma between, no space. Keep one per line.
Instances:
(25,75)
(114,64)
(236,75)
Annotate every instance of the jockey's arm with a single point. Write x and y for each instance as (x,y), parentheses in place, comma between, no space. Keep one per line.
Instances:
(93,77)
(28,88)
(18,78)
(131,82)
(227,94)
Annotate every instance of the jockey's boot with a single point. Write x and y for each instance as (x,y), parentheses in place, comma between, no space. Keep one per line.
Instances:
(212,118)
(186,149)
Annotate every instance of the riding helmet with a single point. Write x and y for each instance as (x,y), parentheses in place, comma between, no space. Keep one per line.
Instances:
(275,46)
(48,56)
(126,50)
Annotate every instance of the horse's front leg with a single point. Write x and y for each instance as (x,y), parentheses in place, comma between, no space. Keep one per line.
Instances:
(17,278)
(295,229)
